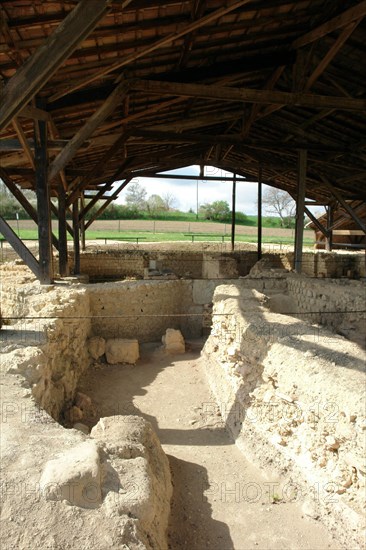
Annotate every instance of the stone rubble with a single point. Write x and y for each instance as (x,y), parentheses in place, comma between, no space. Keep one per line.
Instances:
(173,341)
(122,350)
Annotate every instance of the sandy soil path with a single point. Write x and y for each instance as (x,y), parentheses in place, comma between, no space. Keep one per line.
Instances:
(221,501)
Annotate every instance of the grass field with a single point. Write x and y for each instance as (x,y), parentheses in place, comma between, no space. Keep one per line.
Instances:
(163,231)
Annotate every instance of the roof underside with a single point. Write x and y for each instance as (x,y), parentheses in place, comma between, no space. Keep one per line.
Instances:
(214,54)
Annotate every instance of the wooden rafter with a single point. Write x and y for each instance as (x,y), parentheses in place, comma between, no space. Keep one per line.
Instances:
(45,61)
(87,130)
(248,95)
(332,25)
(155,46)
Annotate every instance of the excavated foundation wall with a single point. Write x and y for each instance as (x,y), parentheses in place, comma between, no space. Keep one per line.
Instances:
(338,304)
(144,309)
(101,265)
(117,479)
(295,402)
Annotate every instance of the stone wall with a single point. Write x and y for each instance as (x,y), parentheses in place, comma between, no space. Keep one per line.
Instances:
(338,304)
(53,325)
(143,309)
(119,263)
(329,264)
(294,402)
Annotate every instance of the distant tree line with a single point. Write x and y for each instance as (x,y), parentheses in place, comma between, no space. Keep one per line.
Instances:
(141,206)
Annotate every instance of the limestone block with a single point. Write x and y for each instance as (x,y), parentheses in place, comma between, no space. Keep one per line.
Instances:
(75,476)
(121,350)
(203,291)
(96,346)
(173,341)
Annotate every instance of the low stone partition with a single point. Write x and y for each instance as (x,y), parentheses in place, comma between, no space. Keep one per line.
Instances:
(294,400)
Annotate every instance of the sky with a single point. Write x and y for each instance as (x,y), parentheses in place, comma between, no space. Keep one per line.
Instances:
(185,191)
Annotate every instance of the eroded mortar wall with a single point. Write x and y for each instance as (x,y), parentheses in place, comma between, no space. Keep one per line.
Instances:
(144,309)
(119,263)
(293,399)
(338,304)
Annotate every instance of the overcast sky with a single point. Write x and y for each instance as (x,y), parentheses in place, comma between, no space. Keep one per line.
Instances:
(208,191)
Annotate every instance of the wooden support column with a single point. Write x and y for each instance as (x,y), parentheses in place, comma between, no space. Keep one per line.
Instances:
(329,238)
(259,239)
(300,207)
(43,203)
(76,228)
(82,224)
(62,232)
(233,207)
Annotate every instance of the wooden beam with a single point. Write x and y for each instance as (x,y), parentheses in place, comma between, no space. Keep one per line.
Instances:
(24,142)
(45,61)
(89,127)
(82,224)
(98,168)
(259,206)
(333,24)
(248,95)
(17,244)
(213,16)
(235,139)
(12,144)
(233,209)
(33,112)
(300,199)
(107,203)
(54,209)
(76,229)
(43,204)
(16,192)
(349,232)
(62,232)
(330,220)
(54,133)
(316,222)
(337,195)
(187,177)
(23,201)
(332,52)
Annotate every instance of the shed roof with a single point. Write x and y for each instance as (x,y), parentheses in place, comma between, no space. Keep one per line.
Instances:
(157,85)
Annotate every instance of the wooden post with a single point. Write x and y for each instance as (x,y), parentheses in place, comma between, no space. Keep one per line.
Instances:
(329,238)
(75,224)
(82,224)
(233,205)
(300,206)
(62,232)
(259,245)
(43,204)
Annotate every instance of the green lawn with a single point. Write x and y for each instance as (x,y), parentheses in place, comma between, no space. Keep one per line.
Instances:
(28,234)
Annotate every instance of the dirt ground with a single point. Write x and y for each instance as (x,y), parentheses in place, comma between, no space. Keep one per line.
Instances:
(221,501)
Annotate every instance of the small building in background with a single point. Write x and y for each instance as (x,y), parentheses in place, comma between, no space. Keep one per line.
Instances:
(344,231)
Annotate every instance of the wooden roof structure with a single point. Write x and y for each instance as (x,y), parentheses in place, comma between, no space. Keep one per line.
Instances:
(124,88)
(343,230)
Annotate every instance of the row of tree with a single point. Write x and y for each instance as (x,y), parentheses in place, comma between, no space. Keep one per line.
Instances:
(140,205)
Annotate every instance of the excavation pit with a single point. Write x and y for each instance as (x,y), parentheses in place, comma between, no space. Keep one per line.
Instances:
(254,358)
